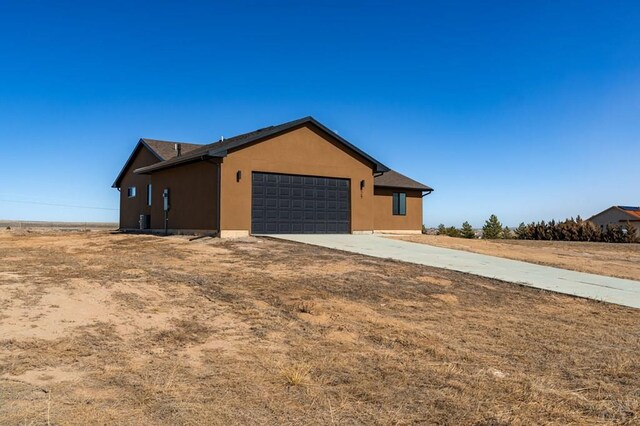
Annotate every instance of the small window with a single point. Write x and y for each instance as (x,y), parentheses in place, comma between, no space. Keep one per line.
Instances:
(131,191)
(400,203)
(149,194)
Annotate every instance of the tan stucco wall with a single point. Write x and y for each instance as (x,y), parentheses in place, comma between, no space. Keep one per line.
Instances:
(192,196)
(384,220)
(132,208)
(303,151)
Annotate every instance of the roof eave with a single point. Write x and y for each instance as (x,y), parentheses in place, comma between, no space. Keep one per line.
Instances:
(378,166)
(141,142)
(422,188)
(186,160)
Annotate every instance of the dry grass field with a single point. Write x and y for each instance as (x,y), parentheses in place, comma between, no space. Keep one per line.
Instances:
(615,260)
(97,328)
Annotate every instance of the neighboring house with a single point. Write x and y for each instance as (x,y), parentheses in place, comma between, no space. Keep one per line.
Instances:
(296,177)
(617,215)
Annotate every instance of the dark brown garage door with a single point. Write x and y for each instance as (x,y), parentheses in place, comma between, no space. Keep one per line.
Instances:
(292,204)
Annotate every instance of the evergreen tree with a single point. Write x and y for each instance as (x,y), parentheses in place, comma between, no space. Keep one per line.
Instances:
(452,231)
(442,230)
(492,228)
(506,233)
(631,233)
(467,231)
(522,232)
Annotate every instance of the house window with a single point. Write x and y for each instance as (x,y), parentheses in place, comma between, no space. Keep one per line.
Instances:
(149,194)
(399,203)
(131,191)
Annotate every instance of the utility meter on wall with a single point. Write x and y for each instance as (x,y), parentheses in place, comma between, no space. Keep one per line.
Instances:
(165,199)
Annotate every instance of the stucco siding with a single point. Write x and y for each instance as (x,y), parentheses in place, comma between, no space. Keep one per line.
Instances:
(302,151)
(132,208)
(384,220)
(192,196)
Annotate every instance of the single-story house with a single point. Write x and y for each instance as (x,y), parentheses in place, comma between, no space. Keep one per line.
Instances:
(617,215)
(296,177)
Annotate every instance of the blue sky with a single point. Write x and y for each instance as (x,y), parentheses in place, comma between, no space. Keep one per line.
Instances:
(529,110)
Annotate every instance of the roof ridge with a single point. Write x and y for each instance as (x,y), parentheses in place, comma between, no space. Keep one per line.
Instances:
(221,147)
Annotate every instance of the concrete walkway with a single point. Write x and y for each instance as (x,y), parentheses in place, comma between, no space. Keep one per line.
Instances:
(614,290)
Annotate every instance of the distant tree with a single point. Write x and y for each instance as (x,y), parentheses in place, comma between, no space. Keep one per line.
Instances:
(522,232)
(589,231)
(442,230)
(506,233)
(452,231)
(492,228)
(467,231)
(631,233)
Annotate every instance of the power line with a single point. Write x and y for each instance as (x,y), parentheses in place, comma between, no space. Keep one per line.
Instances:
(58,205)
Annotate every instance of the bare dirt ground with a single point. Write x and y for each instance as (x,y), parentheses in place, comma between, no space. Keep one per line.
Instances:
(614,260)
(98,328)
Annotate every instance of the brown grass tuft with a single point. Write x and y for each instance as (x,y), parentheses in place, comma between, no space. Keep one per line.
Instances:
(297,375)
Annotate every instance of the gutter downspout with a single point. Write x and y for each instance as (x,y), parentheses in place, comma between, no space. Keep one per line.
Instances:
(219,166)
(426,193)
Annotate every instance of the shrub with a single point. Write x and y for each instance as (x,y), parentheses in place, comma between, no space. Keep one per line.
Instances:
(576,230)
(452,231)
(632,233)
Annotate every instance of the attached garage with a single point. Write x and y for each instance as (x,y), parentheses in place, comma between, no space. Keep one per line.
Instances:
(295,204)
(295,177)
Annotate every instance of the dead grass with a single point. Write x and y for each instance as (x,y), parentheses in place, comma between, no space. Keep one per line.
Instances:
(615,260)
(101,329)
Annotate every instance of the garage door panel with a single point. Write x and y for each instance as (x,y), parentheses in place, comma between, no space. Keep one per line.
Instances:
(284,203)
(271,214)
(343,228)
(299,204)
(271,203)
(270,191)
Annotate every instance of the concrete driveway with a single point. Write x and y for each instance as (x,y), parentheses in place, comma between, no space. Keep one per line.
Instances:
(614,290)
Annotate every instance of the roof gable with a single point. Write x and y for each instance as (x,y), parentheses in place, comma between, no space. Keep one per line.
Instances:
(162,150)
(632,212)
(222,147)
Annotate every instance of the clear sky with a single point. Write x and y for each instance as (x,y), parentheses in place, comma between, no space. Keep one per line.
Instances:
(529,110)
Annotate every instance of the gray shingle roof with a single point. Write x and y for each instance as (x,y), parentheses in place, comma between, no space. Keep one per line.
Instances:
(220,148)
(163,150)
(393,179)
(166,149)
